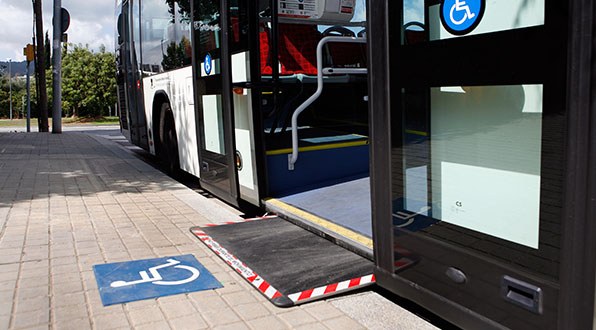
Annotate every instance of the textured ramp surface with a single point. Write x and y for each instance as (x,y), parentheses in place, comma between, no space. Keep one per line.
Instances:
(288,257)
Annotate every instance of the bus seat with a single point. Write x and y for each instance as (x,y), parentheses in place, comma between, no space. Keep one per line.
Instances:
(416,35)
(297,48)
(347,55)
(343,54)
(265,51)
(235,23)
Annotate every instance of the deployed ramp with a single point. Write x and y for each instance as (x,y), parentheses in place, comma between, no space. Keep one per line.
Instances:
(287,264)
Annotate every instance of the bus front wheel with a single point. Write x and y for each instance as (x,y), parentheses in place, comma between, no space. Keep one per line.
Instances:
(168,146)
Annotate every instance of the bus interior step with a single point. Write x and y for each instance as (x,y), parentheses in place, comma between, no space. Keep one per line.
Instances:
(287,264)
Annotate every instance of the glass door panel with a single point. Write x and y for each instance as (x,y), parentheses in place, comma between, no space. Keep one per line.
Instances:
(477,127)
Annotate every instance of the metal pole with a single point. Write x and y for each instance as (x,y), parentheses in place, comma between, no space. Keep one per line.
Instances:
(28,99)
(293,158)
(10,85)
(57,69)
(40,66)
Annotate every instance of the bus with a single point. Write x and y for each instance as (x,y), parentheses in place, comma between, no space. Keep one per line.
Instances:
(264,101)
(454,138)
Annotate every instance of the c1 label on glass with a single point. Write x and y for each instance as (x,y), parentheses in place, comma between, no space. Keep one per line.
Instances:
(207,64)
(461,17)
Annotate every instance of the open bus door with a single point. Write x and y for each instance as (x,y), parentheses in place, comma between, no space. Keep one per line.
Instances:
(122,42)
(315,116)
(247,88)
(255,64)
(211,69)
(476,108)
(132,116)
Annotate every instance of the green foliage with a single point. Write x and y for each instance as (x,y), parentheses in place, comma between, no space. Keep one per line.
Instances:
(209,10)
(88,82)
(18,95)
(175,56)
(88,85)
(183,9)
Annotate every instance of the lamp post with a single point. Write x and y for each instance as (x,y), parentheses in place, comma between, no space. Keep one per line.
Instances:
(57,68)
(10,85)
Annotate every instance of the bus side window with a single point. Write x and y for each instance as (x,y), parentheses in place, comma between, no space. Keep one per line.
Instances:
(234,22)
(239,27)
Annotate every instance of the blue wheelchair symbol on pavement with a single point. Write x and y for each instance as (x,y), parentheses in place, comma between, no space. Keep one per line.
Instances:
(460,17)
(207,64)
(150,278)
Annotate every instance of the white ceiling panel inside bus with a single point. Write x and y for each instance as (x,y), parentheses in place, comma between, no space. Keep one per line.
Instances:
(323,12)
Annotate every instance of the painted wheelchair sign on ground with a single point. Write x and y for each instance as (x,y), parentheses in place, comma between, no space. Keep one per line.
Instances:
(150,278)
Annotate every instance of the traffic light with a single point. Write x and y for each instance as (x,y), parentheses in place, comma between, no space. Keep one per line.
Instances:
(29,52)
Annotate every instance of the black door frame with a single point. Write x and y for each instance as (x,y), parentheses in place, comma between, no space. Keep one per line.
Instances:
(579,233)
(136,121)
(124,49)
(120,53)
(578,259)
(140,122)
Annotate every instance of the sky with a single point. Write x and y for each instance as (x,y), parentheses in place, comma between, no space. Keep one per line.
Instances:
(91,23)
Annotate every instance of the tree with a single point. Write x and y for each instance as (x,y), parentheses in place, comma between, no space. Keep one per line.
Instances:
(88,82)
(175,56)
(206,8)
(18,91)
(183,9)
(4,99)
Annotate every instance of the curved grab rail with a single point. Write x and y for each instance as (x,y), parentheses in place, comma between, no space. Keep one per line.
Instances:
(294,156)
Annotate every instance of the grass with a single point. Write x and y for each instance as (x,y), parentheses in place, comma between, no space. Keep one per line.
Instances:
(65,121)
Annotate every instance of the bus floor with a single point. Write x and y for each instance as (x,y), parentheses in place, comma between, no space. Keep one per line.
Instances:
(341,212)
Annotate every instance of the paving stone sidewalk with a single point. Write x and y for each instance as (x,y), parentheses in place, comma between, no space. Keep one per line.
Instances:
(70,201)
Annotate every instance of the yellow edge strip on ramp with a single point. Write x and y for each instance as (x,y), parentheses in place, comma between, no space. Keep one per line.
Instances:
(421,133)
(322,222)
(321,147)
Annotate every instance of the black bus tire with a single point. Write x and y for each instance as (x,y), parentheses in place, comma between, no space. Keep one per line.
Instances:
(168,142)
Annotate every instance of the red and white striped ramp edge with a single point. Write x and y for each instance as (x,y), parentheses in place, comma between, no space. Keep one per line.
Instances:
(267,289)
(240,267)
(335,288)
(265,217)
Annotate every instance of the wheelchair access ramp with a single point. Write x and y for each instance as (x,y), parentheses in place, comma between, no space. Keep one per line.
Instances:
(287,264)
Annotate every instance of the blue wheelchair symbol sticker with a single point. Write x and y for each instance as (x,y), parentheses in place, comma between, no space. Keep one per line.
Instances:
(207,64)
(461,17)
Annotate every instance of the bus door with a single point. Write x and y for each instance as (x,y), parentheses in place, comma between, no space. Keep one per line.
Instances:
(211,69)
(122,65)
(132,116)
(474,165)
